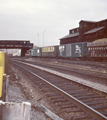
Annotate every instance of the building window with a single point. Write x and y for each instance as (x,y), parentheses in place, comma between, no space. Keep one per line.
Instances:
(72,31)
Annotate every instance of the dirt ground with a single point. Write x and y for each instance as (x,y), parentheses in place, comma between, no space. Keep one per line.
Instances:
(21,89)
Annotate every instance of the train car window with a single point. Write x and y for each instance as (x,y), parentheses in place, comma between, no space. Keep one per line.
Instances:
(72,31)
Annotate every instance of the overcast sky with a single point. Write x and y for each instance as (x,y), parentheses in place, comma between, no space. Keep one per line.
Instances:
(33,19)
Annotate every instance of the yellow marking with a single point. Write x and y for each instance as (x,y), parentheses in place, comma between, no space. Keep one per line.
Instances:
(2,60)
(48,49)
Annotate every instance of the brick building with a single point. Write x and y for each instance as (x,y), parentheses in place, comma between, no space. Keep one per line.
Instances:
(87,31)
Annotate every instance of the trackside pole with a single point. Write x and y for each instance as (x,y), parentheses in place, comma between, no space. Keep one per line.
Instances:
(15,111)
(1,80)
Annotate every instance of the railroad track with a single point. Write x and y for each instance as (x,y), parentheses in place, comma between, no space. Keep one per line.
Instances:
(93,64)
(78,101)
(90,72)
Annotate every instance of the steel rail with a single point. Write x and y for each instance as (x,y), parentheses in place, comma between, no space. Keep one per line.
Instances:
(81,72)
(101,91)
(77,71)
(84,107)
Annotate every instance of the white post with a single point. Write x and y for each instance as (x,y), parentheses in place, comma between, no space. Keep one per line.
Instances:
(7,85)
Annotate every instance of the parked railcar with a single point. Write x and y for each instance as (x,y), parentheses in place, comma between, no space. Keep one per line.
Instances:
(74,50)
(51,51)
(98,50)
(28,53)
(62,51)
(36,52)
(79,50)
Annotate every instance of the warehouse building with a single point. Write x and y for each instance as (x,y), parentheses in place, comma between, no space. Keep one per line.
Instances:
(88,31)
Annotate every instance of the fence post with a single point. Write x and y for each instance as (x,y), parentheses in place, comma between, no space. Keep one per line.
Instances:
(1,80)
(6,90)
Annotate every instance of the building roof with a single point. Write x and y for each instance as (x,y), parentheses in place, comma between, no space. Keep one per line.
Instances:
(94,30)
(74,28)
(88,21)
(71,35)
(88,32)
(92,21)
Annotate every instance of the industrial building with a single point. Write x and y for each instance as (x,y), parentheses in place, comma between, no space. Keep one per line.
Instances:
(88,31)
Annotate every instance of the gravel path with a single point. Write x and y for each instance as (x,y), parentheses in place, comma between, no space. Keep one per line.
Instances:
(16,93)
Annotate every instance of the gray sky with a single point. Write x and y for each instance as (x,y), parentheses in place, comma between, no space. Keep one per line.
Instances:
(26,19)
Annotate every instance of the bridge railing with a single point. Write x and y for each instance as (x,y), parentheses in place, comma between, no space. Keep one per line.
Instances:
(16,44)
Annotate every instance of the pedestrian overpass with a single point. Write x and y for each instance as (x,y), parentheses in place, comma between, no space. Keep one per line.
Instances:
(16,44)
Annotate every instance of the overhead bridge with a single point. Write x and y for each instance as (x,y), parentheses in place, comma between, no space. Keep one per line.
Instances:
(16,44)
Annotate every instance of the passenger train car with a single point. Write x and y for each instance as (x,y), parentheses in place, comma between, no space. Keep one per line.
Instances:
(96,50)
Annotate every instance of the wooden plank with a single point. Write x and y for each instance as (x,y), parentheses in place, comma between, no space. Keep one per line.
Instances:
(48,112)
(15,111)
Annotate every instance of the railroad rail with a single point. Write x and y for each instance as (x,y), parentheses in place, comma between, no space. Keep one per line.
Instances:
(85,71)
(77,62)
(82,102)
